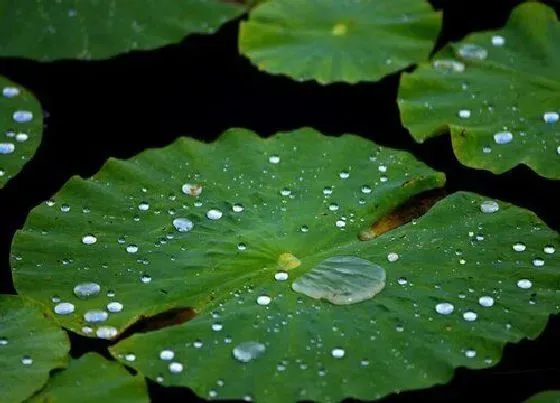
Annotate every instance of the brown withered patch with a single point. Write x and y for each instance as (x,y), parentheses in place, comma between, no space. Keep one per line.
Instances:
(405,213)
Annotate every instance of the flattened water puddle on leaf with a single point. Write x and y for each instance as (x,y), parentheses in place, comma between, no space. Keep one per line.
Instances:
(342,280)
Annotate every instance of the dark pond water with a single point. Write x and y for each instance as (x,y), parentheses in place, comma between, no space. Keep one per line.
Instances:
(201,87)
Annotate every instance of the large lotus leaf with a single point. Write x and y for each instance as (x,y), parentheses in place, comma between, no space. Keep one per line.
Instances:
(339,40)
(31,346)
(93,379)
(497,92)
(549,396)
(21,123)
(98,29)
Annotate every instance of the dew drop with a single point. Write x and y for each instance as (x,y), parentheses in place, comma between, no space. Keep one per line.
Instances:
(538,262)
(486,150)
(3,341)
(366,189)
(7,148)
(26,360)
(281,276)
(248,351)
(198,344)
(237,208)
(489,206)
(333,207)
(263,300)
(89,239)
(524,283)
(146,279)
(274,159)
(21,137)
(130,357)
(337,352)
(402,281)
(344,175)
(143,206)
(114,307)
(23,116)
(176,367)
(503,137)
(241,246)
(498,40)
(96,316)
(551,117)
(449,66)
(327,190)
(65,208)
(63,308)
(486,301)
(340,223)
(106,332)
(183,224)
(471,51)
(217,327)
(86,290)
(132,248)
(549,249)
(470,353)
(444,308)
(392,256)
(470,316)
(464,113)
(519,247)
(214,214)
(192,190)
(285,192)
(10,92)
(166,355)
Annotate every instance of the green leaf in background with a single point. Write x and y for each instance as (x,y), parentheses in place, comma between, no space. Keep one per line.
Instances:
(93,379)
(549,396)
(94,29)
(31,346)
(339,40)
(497,92)
(260,249)
(21,125)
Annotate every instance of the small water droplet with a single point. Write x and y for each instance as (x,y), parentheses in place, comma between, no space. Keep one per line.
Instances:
(175,367)
(274,159)
(464,113)
(248,351)
(241,246)
(486,301)
(471,51)
(538,262)
(166,355)
(364,363)
(86,290)
(217,327)
(183,224)
(498,40)
(285,192)
(304,228)
(470,316)
(392,256)
(402,281)
(344,175)
(383,178)
(340,223)
(519,247)
(146,279)
(130,357)
(198,344)
(470,353)
(65,208)
(237,208)
(281,276)
(63,308)
(143,206)
(89,239)
(26,360)
(327,190)
(333,207)
(214,214)
(366,189)
(551,117)
(338,352)
(132,248)
(444,308)
(3,341)
(114,307)
(21,137)
(486,149)
(96,316)
(263,300)
(10,92)
(524,283)
(503,137)
(489,206)
(448,66)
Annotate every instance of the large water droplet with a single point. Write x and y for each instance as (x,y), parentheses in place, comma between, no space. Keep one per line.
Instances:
(106,332)
(85,290)
(63,308)
(248,351)
(524,283)
(175,367)
(471,51)
(96,316)
(551,117)
(392,256)
(489,206)
(214,214)
(503,137)
(10,92)
(549,249)
(538,262)
(337,352)
(167,355)
(7,148)
(342,280)
(183,224)
(486,301)
(23,116)
(263,300)
(114,307)
(89,239)
(469,316)
(444,308)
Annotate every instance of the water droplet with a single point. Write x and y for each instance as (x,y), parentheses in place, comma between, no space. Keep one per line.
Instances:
(241,246)
(143,206)
(23,116)
(198,344)
(130,357)
(183,224)
(402,281)
(333,207)
(366,189)
(392,256)
(519,247)
(399,328)
(538,262)
(192,190)
(304,228)
(489,206)
(217,327)
(470,353)
(65,208)
(549,249)
(340,223)
(214,214)
(383,178)
(382,168)
(281,276)
(503,137)
(486,150)
(106,332)
(63,308)
(327,190)
(551,117)
(486,301)
(175,367)
(498,40)
(3,341)
(114,307)
(274,159)
(96,316)
(470,316)
(263,300)
(21,137)
(524,283)
(89,239)
(10,92)
(444,308)
(344,175)
(7,148)
(237,208)
(87,330)
(26,360)
(342,280)
(464,113)
(166,355)
(337,352)
(364,362)
(471,51)
(248,351)
(449,66)
(85,290)
(132,248)
(285,192)
(146,279)
(212,394)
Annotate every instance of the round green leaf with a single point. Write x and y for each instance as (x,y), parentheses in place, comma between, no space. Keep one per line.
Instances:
(21,125)
(497,92)
(31,346)
(338,40)
(549,396)
(93,29)
(93,379)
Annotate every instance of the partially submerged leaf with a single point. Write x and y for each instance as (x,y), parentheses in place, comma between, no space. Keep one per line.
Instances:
(30,347)
(21,124)
(93,379)
(339,40)
(497,92)
(100,29)
(448,289)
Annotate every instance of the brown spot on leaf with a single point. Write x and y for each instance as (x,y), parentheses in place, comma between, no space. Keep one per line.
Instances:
(414,208)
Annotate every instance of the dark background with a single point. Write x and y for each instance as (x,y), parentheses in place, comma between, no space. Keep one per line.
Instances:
(201,87)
